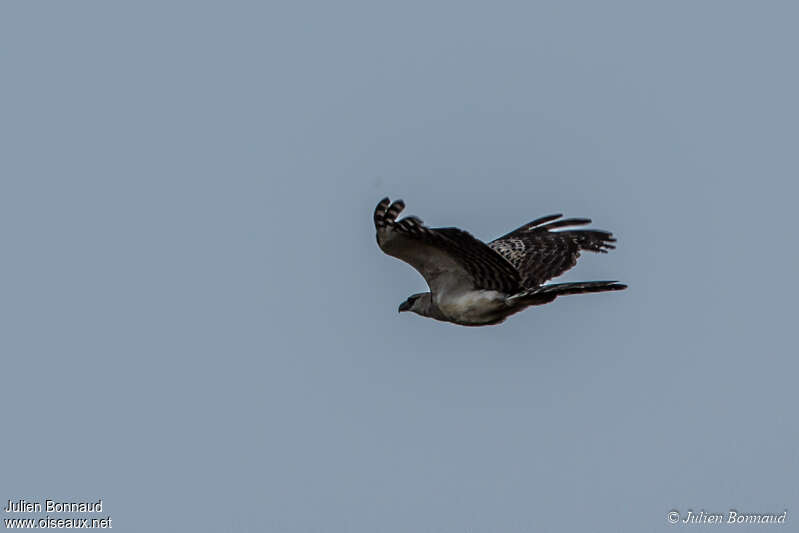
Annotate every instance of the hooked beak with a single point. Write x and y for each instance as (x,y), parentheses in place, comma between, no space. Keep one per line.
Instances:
(405,306)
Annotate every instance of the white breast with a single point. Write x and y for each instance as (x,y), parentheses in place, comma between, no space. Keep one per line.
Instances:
(471,306)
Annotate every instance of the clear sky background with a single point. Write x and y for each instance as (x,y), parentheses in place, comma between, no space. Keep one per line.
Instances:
(198,327)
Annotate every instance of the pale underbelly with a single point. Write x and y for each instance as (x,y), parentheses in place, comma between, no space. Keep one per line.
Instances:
(473,307)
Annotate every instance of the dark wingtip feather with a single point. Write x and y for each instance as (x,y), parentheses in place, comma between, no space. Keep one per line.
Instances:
(380,212)
(542,220)
(566,222)
(394,210)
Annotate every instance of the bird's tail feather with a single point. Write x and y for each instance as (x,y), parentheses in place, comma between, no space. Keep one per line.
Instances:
(553,290)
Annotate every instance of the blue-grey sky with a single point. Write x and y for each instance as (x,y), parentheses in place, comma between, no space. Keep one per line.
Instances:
(198,327)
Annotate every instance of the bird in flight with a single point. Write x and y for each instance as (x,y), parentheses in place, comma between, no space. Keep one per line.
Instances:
(473,283)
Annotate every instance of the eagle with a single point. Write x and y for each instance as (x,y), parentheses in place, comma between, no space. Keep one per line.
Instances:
(473,283)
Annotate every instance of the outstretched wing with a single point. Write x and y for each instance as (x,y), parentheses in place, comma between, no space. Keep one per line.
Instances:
(540,254)
(447,258)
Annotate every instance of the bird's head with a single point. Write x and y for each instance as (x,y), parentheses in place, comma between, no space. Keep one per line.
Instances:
(415,303)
